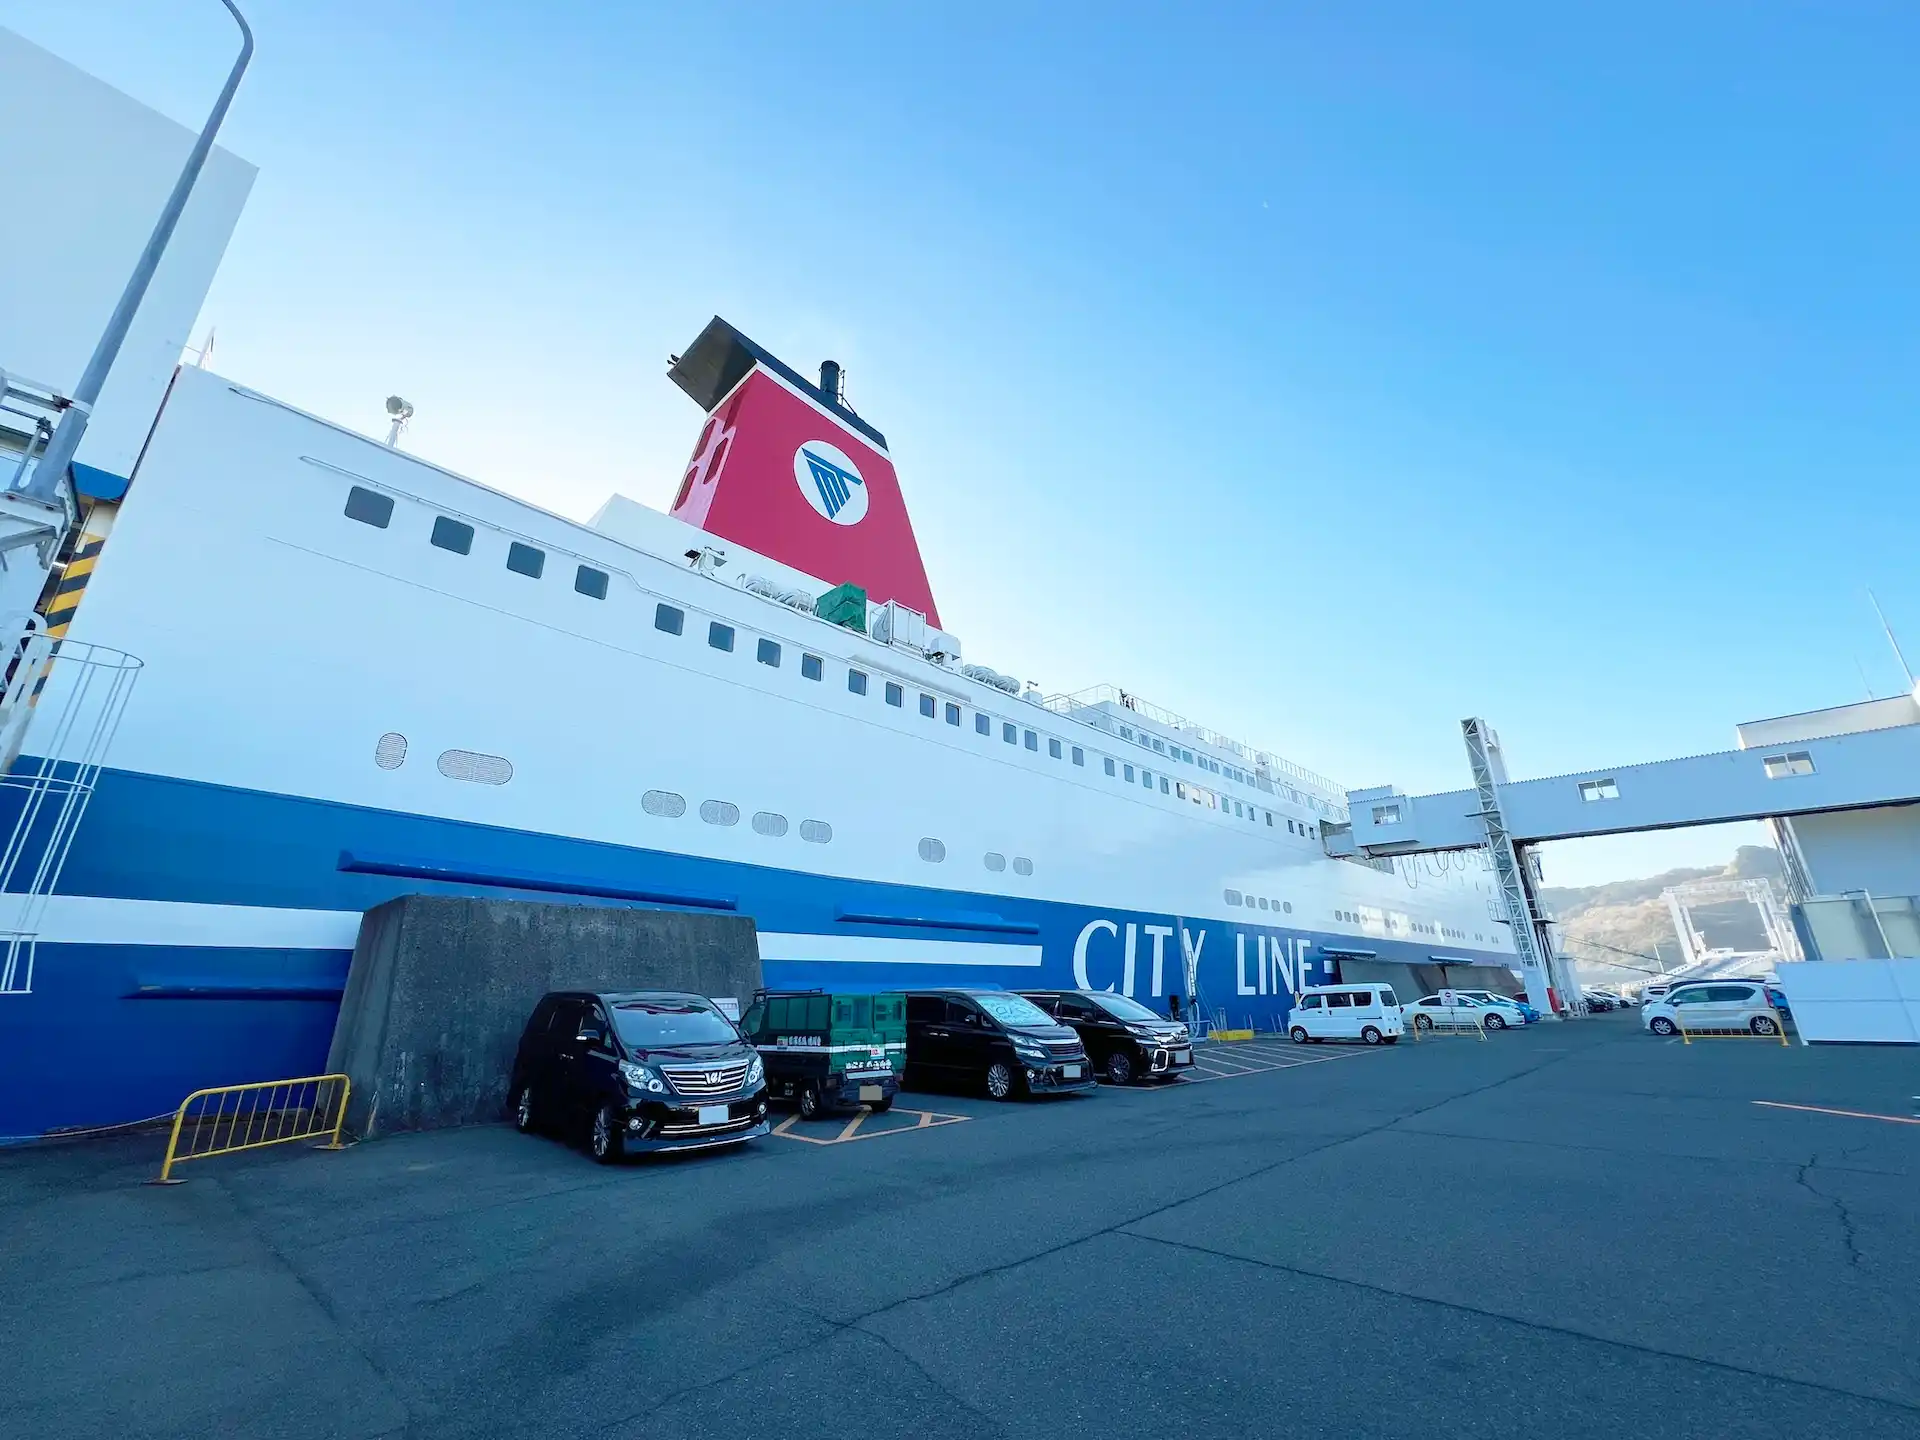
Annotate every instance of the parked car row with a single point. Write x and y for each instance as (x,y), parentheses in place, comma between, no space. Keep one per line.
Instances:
(650,1070)
(1373,1015)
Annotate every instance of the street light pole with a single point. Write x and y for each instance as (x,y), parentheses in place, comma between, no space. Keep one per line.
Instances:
(45,484)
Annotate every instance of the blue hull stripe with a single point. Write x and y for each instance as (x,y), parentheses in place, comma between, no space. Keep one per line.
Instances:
(154,1022)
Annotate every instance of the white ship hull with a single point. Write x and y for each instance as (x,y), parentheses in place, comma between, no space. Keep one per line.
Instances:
(259,800)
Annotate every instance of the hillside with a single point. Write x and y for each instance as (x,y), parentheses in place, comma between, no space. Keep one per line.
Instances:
(1598,922)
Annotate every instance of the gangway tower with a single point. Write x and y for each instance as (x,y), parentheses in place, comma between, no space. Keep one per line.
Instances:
(1541,968)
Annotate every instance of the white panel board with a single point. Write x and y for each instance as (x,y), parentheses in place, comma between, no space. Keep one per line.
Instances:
(98,175)
(1874,1001)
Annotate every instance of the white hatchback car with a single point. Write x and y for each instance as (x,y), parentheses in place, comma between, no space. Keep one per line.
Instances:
(1510,1012)
(1465,1013)
(1367,1013)
(1724,1005)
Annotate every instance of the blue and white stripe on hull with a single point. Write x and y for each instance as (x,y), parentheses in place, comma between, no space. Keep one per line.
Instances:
(205,935)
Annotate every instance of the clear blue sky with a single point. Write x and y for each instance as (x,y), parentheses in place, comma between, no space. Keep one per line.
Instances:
(1327,373)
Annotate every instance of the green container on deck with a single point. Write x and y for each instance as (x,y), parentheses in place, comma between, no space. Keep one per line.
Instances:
(844,605)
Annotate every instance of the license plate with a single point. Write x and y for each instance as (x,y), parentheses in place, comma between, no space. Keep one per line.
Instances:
(1069,1072)
(1182,1057)
(713,1114)
(872,1092)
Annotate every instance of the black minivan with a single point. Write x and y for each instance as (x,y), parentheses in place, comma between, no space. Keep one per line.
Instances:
(641,1070)
(996,1039)
(1125,1040)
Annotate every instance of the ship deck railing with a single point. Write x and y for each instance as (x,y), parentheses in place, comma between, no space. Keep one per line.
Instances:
(1096,707)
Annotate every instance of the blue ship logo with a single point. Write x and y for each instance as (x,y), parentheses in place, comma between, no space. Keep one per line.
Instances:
(831,482)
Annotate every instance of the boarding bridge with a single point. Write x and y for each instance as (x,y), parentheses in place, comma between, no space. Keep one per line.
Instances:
(1831,781)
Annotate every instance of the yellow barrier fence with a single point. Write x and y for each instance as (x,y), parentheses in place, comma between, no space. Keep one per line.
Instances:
(1774,1029)
(231,1118)
(1426,1027)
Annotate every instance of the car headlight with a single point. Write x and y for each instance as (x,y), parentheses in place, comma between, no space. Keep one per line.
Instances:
(755,1071)
(1029,1052)
(639,1077)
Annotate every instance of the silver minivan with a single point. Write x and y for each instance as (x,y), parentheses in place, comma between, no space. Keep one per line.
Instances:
(1367,1013)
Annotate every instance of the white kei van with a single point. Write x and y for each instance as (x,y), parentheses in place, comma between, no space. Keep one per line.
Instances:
(1367,1013)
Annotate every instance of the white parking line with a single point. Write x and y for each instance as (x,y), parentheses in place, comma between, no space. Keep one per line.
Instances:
(1284,1065)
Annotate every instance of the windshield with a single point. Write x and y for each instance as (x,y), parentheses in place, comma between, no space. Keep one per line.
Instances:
(1123,1008)
(1013,1010)
(652,1023)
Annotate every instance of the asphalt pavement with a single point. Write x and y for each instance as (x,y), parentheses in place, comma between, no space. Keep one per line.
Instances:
(1573,1230)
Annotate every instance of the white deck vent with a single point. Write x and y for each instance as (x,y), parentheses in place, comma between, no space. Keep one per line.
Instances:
(475,768)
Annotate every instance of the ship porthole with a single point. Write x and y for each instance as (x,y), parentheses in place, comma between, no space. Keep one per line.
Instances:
(390,751)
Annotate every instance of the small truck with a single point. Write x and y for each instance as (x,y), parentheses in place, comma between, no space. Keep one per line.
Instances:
(829,1052)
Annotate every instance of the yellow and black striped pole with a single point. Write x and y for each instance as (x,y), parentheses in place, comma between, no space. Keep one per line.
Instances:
(65,600)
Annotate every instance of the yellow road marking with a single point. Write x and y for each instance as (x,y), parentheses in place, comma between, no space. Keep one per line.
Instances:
(929,1120)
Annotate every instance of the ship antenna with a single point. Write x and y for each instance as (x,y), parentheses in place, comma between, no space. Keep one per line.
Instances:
(1890,640)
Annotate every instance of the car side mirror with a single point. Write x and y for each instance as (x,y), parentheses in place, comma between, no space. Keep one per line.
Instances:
(589,1037)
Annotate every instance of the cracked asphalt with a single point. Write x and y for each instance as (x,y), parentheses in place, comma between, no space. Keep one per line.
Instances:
(1575,1230)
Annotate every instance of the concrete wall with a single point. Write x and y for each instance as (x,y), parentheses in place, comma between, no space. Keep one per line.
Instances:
(1875,850)
(441,986)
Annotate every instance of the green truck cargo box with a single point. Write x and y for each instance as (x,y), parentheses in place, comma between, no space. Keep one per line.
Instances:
(829,1052)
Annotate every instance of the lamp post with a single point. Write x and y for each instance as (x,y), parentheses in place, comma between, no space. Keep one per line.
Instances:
(45,484)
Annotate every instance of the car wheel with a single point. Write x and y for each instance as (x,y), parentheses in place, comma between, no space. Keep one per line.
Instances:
(1000,1080)
(524,1115)
(880,1107)
(1496,1022)
(1423,1022)
(606,1141)
(1298,1034)
(1660,1025)
(1764,1025)
(1370,1036)
(1120,1068)
(809,1102)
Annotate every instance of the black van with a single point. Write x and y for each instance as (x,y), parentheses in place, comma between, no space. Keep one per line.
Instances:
(1001,1040)
(1125,1040)
(641,1070)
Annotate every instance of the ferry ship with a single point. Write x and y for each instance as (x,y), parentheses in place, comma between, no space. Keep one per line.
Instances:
(361,675)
